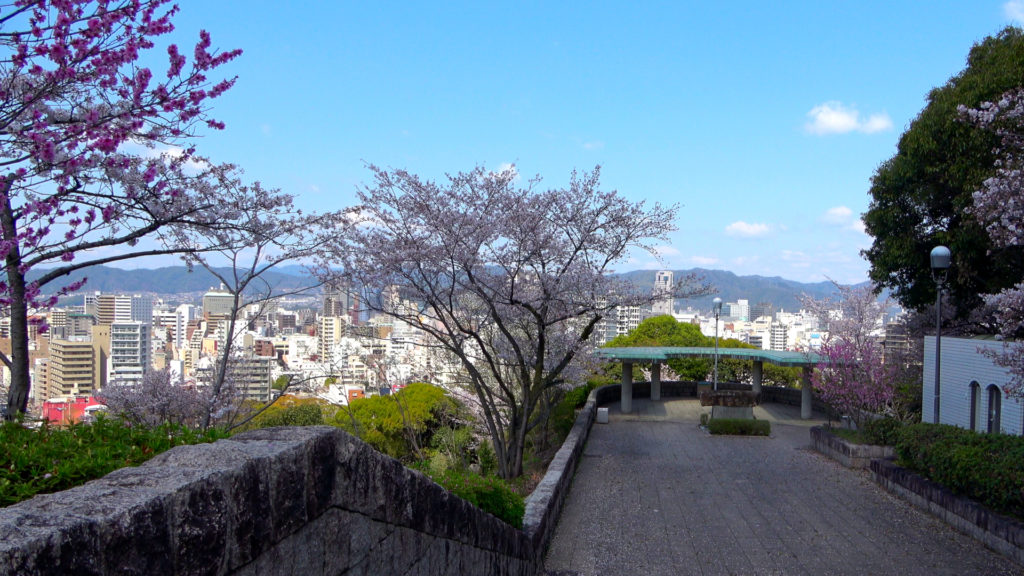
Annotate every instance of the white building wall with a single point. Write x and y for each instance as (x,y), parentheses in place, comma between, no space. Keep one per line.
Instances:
(961,364)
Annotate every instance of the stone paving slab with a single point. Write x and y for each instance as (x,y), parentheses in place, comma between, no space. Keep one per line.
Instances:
(656,495)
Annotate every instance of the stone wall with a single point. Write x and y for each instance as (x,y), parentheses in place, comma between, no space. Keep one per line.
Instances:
(847,453)
(277,501)
(1000,533)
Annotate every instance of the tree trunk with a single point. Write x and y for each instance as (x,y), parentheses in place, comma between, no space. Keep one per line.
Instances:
(17,397)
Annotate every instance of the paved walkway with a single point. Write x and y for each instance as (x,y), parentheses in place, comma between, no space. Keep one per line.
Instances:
(656,495)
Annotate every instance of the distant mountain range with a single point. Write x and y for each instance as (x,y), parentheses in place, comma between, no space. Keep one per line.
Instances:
(783,294)
(167,280)
(177,280)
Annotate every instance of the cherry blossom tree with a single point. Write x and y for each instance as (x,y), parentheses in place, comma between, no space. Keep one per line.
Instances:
(75,101)
(999,207)
(508,279)
(853,376)
(259,229)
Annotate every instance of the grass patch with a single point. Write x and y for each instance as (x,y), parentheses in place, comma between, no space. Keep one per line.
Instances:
(851,436)
(50,459)
(739,427)
(489,493)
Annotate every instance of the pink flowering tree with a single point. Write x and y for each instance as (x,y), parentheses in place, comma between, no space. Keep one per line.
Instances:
(82,124)
(999,207)
(509,280)
(853,376)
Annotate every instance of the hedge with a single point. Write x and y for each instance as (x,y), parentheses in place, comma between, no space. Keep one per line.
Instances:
(739,427)
(988,468)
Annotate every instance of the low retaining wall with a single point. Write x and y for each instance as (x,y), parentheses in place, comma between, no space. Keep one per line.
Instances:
(847,453)
(998,532)
(309,500)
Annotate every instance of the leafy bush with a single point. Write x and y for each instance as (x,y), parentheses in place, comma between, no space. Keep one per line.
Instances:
(883,431)
(490,494)
(988,468)
(487,459)
(739,427)
(402,424)
(51,459)
(563,415)
(289,411)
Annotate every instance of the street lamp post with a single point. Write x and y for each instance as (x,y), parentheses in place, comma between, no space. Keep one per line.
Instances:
(717,302)
(940,261)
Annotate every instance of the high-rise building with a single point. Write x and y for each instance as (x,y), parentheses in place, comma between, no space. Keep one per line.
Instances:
(779,336)
(217,304)
(337,301)
(330,331)
(762,309)
(71,369)
(663,283)
(129,352)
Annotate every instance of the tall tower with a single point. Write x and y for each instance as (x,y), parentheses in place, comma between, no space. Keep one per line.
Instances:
(663,283)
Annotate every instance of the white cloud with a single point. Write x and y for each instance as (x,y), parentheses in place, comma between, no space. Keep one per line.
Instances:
(1014,10)
(594,145)
(859,226)
(704,260)
(666,250)
(837,215)
(745,230)
(835,118)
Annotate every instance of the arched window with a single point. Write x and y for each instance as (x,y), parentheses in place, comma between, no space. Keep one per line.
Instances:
(995,400)
(975,405)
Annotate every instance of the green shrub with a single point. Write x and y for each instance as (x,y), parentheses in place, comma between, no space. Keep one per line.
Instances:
(563,415)
(739,427)
(883,431)
(988,468)
(490,494)
(487,459)
(52,459)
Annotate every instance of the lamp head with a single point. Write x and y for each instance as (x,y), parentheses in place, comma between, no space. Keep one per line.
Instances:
(941,258)
(717,305)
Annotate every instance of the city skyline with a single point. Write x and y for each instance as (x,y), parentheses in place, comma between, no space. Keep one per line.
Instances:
(764,122)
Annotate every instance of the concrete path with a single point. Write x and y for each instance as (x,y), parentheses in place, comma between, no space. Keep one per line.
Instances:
(656,495)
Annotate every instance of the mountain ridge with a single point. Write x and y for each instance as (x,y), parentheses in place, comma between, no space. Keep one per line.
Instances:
(175,280)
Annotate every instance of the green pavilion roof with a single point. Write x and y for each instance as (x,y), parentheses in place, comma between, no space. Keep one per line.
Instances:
(662,353)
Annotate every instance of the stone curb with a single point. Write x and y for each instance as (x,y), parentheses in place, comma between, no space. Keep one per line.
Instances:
(1000,533)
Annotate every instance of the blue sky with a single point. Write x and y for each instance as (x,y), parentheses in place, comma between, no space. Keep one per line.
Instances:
(763,120)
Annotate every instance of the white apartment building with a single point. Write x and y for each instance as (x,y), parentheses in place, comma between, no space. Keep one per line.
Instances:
(129,352)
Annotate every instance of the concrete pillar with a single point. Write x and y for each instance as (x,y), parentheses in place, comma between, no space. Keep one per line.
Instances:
(656,381)
(627,387)
(806,399)
(758,375)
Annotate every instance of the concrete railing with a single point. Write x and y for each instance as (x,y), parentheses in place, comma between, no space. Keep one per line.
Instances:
(276,501)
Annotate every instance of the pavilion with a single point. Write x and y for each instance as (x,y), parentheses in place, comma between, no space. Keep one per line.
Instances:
(656,355)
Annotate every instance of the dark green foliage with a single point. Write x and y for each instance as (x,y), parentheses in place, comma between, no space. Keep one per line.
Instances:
(739,427)
(921,196)
(563,415)
(487,459)
(50,459)
(490,494)
(882,431)
(988,468)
